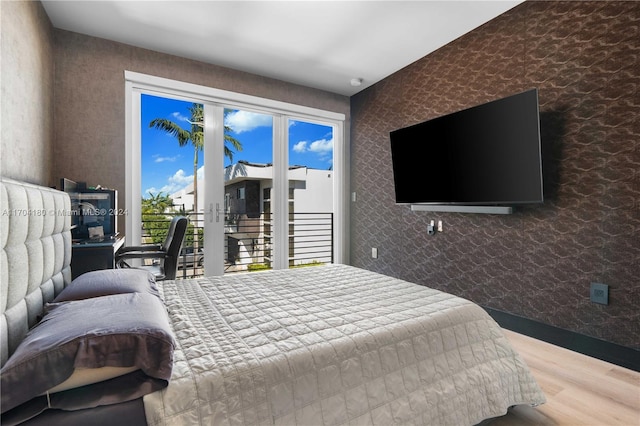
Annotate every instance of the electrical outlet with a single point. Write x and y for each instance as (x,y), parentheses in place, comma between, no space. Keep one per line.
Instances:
(431,228)
(599,293)
(374,252)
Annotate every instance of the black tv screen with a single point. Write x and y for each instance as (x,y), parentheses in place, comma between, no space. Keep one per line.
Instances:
(485,155)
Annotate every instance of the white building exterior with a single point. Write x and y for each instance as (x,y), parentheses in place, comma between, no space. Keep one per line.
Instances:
(184,197)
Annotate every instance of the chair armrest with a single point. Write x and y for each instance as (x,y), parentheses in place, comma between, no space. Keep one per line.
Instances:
(141,255)
(149,247)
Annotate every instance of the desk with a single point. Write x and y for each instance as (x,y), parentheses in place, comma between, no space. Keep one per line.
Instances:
(91,256)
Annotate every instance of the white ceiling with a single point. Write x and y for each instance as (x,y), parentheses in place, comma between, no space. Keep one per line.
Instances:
(320,44)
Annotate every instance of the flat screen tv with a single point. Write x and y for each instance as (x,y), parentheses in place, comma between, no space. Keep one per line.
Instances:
(486,155)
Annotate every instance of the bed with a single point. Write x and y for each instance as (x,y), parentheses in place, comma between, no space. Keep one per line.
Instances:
(329,344)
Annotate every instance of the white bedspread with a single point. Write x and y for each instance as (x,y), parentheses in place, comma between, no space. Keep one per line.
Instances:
(333,345)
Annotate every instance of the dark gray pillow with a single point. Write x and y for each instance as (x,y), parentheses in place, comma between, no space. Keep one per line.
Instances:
(122,330)
(109,281)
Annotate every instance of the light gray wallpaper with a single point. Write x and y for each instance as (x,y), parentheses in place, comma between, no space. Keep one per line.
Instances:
(539,262)
(26,82)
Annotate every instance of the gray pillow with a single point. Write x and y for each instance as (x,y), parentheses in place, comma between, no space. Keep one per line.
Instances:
(109,281)
(122,330)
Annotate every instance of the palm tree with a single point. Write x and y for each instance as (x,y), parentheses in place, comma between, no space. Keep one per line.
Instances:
(195,136)
(156,204)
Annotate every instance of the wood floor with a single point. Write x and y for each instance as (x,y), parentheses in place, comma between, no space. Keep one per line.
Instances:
(580,390)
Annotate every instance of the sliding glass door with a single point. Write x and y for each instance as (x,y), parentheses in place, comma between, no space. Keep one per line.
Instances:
(272,192)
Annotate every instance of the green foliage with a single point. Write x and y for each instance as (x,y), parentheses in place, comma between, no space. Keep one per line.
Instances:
(156,227)
(229,141)
(190,237)
(156,204)
(155,222)
(253,267)
(195,135)
(312,263)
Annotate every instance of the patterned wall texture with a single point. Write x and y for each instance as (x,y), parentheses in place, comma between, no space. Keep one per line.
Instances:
(537,263)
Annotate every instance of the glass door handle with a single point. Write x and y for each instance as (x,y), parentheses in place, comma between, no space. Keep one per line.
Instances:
(217,213)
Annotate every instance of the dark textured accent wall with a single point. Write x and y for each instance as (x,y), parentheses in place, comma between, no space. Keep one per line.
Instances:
(537,263)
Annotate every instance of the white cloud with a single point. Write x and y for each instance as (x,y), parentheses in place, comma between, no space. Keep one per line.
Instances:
(300,147)
(153,190)
(157,158)
(179,180)
(180,117)
(245,121)
(321,146)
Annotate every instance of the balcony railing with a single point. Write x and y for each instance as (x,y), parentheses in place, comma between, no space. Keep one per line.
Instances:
(248,241)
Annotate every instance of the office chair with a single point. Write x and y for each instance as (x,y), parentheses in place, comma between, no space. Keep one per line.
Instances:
(167,253)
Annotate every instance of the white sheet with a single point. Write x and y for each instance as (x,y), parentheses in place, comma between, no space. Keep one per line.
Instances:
(333,345)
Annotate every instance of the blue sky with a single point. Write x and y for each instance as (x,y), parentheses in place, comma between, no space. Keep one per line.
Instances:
(167,167)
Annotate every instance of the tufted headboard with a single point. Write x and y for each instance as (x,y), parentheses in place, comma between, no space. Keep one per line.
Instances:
(35,262)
